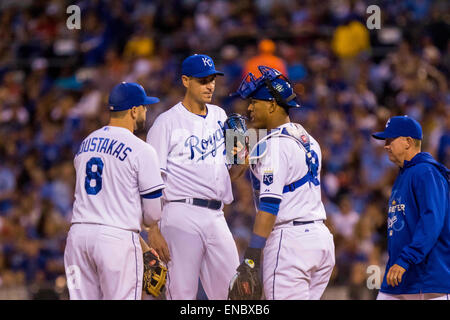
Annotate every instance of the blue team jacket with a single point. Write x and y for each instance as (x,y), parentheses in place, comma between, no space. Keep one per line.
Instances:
(419,227)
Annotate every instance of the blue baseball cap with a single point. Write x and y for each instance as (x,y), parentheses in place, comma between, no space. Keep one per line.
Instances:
(400,126)
(199,66)
(127,95)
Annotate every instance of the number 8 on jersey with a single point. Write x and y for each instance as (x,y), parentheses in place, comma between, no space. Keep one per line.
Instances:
(96,175)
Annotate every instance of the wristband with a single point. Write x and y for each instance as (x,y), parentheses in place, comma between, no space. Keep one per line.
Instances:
(257,242)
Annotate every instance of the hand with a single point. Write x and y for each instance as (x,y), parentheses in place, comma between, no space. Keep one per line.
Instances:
(238,154)
(150,257)
(394,275)
(154,258)
(242,150)
(157,242)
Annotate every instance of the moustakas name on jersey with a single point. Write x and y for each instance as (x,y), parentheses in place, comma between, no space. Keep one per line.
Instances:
(105,145)
(286,175)
(419,227)
(99,198)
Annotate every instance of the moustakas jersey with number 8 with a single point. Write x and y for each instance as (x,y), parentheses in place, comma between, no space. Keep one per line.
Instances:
(113,169)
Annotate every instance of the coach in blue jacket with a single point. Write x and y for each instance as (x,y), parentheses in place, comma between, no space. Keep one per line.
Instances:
(418,218)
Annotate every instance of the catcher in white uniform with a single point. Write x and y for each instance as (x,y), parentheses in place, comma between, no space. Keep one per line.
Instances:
(194,235)
(118,188)
(285,170)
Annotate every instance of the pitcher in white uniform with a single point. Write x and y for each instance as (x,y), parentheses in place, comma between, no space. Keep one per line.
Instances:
(118,189)
(285,170)
(194,234)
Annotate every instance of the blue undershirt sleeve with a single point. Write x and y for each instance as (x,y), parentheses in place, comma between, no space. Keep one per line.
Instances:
(153,195)
(270,205)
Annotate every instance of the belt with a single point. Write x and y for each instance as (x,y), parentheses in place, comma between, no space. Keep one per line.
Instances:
(210,204)
(299,223)
(296,223)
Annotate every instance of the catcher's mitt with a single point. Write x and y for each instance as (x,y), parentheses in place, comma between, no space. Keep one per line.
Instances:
(155,273)
(236,139)
(246,284)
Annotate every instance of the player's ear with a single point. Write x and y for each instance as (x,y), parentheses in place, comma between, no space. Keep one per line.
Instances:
(272,106)
(408,143)
(185,81)
(134,112)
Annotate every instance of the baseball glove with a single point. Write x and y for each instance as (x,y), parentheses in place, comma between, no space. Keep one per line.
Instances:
(236,138)
(246,284)
(155,273)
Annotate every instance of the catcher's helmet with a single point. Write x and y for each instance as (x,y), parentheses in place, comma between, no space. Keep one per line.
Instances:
(272,85)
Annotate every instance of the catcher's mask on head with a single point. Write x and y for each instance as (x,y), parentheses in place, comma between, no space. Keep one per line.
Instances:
(272,85)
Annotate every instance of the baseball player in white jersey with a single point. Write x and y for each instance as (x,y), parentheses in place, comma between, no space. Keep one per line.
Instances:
(285,169)
(118,188)
(195,237)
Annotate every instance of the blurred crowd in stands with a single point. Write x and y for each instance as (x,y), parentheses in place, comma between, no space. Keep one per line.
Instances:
(55,81)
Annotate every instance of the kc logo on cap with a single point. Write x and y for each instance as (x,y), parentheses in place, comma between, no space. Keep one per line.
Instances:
(199,66)
(400,126)
(207,61)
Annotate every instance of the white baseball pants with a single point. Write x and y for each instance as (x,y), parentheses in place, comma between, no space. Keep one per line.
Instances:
(298,262)
(201,246)
(103,263)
